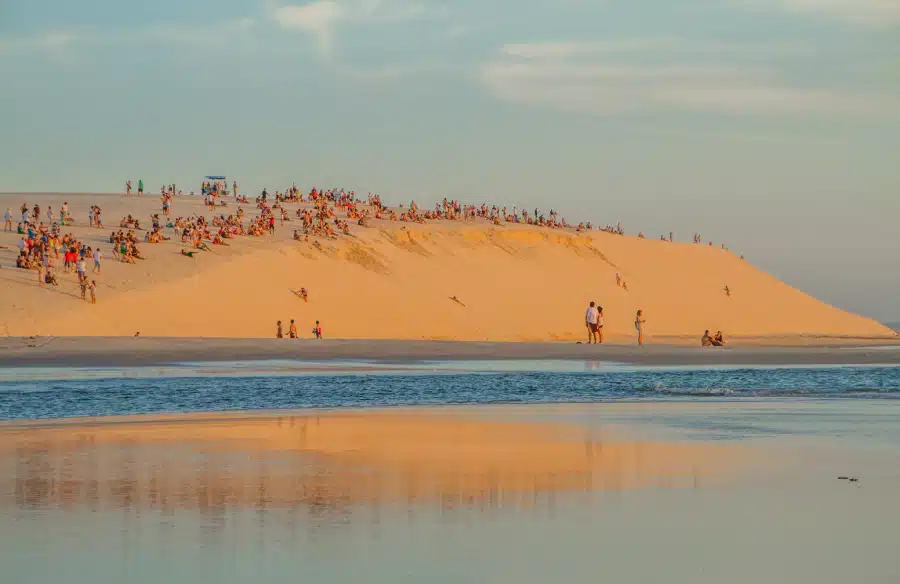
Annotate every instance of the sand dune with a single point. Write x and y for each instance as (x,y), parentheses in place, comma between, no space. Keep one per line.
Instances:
(396,281)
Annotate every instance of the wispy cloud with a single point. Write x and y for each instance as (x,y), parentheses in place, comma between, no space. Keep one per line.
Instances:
(317,18)
(870,12)
(62,42)
(642,45)
(616,76)
(322,18)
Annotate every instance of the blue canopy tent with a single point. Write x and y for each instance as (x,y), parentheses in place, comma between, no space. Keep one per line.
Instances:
(213,179)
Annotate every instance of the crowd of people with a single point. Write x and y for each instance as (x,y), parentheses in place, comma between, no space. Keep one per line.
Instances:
(322,213)
(40,247)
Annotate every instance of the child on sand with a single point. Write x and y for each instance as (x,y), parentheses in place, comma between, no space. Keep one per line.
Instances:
(93,289)
(317,330)
(278,333)
(292,330)
(84,286)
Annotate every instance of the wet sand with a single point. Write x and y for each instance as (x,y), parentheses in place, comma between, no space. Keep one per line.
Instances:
(126,352)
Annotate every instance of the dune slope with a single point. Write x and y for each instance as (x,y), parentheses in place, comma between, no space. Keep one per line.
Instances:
(512,283)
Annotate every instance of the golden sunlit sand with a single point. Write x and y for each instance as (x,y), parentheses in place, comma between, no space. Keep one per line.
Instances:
(395,280)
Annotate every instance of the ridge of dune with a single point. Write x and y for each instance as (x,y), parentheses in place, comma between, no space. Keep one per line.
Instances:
(398,281)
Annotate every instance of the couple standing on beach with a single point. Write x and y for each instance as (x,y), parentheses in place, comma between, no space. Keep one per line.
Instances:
(593,319)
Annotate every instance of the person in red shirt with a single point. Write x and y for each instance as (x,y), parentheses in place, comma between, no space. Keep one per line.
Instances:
(272,224)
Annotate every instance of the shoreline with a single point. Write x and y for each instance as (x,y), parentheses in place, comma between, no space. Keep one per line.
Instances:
(149,351)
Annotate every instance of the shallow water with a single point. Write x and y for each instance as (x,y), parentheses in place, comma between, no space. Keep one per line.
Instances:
(231,503)
(40,393)
(89,510)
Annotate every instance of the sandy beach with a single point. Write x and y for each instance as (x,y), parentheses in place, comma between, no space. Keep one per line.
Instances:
(141,351)
(442,280)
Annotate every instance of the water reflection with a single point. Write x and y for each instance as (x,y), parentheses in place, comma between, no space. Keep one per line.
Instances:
(328,465)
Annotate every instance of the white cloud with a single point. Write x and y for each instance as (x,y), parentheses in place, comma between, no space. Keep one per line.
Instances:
(639,45)
(62,42)
(316,18)
(598,78)
(321,18)
(872,12)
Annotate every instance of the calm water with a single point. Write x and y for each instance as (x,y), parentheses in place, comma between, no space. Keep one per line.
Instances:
(109,504)
(36,393)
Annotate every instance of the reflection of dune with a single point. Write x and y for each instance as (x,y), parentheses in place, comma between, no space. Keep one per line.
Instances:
(328,461)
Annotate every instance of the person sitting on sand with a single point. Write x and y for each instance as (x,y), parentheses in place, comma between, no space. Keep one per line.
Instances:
(49,278)
(706,340)
(727,291)
(719,340)
(304,295)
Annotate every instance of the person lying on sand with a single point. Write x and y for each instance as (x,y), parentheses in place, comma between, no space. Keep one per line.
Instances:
(187,253)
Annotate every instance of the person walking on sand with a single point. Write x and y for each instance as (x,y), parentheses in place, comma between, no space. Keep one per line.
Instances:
(140,186)
(590,321)
(292,330)
(97,257)
(128,187)
(81,269)
(278,333)
(639,322)
(7,220)
(317,331)
(93,289)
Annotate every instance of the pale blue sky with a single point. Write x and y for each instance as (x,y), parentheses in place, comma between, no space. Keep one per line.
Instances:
(772,125)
